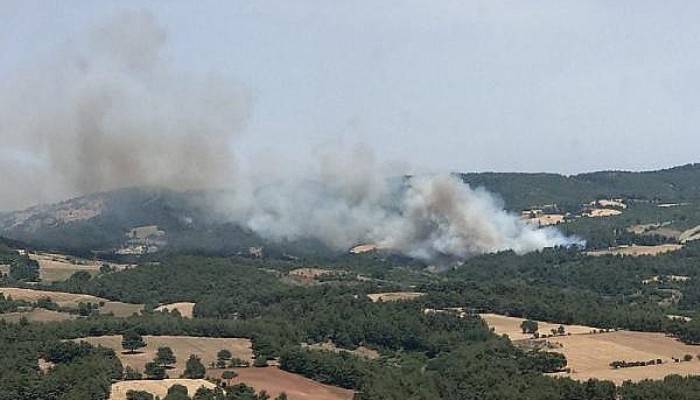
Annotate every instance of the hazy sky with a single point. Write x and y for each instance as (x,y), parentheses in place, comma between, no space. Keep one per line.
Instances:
(565,86)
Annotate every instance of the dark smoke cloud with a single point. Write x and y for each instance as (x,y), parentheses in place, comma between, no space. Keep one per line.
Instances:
(107,112)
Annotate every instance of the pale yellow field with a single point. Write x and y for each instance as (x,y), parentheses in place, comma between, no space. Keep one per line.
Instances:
(602,212)
(394,296)
(204,347)
(71,300)
(157,388)
(185,309)
(589,356)
(510,326)
(58,267)
(636,250)
(37,315)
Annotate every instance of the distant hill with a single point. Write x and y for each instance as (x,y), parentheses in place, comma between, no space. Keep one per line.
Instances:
(102,221)
(523,190)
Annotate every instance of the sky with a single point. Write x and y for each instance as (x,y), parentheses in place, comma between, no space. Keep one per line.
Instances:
(555,86)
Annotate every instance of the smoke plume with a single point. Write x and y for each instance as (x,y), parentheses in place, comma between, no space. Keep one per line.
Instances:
(109,112)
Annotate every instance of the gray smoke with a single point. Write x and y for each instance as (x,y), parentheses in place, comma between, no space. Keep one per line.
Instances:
(347,202)
(109,112)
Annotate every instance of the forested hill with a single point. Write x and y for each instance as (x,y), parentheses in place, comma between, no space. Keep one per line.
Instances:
(523,190)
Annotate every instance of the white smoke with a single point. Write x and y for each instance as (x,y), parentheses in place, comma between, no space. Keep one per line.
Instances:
(348,201)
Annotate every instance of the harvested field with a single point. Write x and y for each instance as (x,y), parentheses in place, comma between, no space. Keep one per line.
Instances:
(546,219)
(636,250)
(511,326)
(690,235)
(157,388)
(589,356)
(58,267)
(37,315)
(602,212)
(360,351)
(363,248)
(184,308)
(275,381)
(4,269)
(71,300)
(182,346)
(394,296)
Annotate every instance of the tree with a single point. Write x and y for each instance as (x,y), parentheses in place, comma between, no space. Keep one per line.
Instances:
(228,375)
(177,392)
(131,374)
(154,371)
(165,357)
(138,395)
(260,362)
(132,341)
(529,326)
(282,396)
(194,369)
(222,358)
(561,330)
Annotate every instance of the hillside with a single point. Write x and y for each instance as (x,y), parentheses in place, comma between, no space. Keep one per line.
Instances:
(138,219)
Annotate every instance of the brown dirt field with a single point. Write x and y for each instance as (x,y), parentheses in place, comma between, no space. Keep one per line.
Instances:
(394,296)
(361,351)
(589,356)
(275,381)
(37,315)
(185,309)
(71,300)
(204,347)
(635,250)
(157,388)
(511,326)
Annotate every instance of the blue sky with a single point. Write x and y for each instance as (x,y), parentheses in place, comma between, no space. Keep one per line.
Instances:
(562,86)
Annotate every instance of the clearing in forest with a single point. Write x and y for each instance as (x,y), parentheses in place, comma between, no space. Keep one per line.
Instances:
(182,346)
(184,308)
(360,351)
(71,300)
(156,387)
(589,356)
(637,250)
(503,325)
(275,381)
(37,315)
(58,267)
(394,296)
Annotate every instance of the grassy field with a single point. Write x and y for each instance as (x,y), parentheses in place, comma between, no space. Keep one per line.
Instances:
(510,326)
(275,381)
(636,250)
(204,347)
(589,356)
(71,300)
(185,309)
(37,315)
(360,351)
(58,267)
(157,388)
(394,296)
